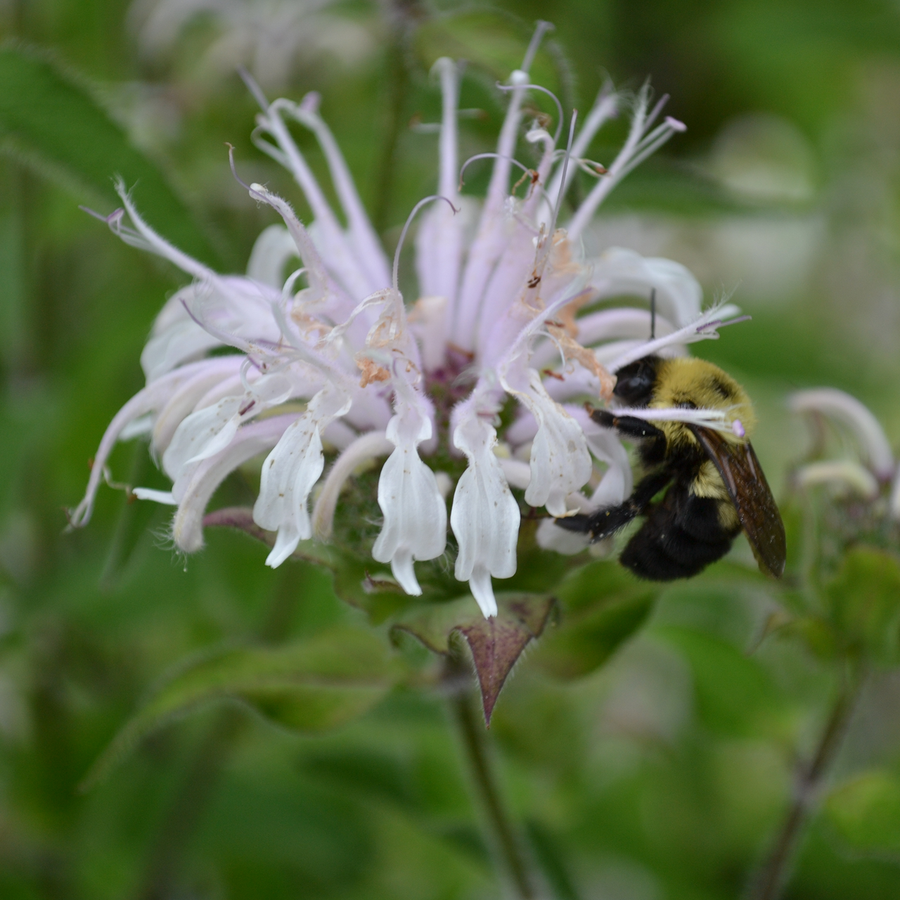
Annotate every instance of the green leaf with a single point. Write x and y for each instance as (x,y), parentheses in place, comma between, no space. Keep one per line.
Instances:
(734,693)
(309,686)
(864,598)
(496,643)
(52,121)
(602,606)
(866,812)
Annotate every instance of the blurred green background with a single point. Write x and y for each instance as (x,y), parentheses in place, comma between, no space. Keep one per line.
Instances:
(660,775)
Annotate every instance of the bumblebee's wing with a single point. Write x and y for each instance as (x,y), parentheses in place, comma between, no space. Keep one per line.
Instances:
(752,497)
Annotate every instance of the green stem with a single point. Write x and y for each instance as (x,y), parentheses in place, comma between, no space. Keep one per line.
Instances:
(502,832)
(771,878)
(401,15)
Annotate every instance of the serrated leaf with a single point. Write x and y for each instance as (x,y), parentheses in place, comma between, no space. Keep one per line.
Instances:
(866,812)
(308,686)
(53,122)
(496,643)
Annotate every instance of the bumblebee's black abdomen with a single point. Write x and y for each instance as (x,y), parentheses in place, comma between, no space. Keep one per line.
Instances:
(681,536)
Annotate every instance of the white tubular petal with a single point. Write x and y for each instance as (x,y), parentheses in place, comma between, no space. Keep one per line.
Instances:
(641,142)
(415,514)
(208,431)
(181,403)
(449,154)
(605,107)
(366,447)
(230,310)
(702,329)
(403,570)
(516,472)
(485,516)
(201,482)
(428,321)
(605,325)
(550,536)
(342,260)
(306,249)
(368,252)
(273,248)
(560,462)
(491,237)
(678,293)
(146,401)
(288,476)
(440,239)
(157,244)
(291,470)
(615,485)
(176,337)
(849,412)
(845,475)
(618,480)
(483,591)
(164,497)
(212,427)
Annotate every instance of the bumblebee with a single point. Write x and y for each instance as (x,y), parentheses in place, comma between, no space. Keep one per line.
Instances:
(714,484)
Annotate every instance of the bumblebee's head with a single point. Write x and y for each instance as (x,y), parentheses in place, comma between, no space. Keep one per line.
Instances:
(636,381)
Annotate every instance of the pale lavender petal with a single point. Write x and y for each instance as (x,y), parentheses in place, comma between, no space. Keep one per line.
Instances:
(849,412)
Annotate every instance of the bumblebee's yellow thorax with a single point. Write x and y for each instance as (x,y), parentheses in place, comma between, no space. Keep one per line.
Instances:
(683,381)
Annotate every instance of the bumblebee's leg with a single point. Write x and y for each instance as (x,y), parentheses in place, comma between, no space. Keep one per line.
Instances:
(603,522)
(630,426)
(653,439)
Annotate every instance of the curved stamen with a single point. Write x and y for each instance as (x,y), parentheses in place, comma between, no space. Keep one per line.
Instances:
(409,219)
(489,155)
(537,87)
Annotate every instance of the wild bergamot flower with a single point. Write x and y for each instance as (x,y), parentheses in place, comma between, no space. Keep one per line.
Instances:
(868,469)
(477,381)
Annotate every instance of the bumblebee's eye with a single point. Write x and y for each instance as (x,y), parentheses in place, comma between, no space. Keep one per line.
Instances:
(634,382)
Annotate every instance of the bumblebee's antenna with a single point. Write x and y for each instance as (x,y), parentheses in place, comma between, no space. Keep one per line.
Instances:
(653,314)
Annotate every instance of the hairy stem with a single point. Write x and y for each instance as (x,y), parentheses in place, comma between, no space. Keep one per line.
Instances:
(771,878)
(499,824)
